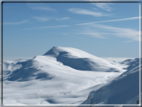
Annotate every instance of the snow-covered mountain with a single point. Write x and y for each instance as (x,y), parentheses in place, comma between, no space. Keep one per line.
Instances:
(61,76)
(122,90)
(81,60)
(57,58)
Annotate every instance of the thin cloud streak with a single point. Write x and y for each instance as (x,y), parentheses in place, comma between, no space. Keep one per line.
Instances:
(86,12)
(16,23)
(115,20)
(104,6)
(64,18)
(42,18)
(58,26)
(43,8)
(121,32)
(93,34)
(103,31)
(50,18)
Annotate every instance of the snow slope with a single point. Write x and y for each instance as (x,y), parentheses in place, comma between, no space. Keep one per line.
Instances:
(60,58)
(60,76)
(81,60)
(122,90)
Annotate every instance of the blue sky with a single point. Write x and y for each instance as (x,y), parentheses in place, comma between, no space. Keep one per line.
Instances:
(102,29)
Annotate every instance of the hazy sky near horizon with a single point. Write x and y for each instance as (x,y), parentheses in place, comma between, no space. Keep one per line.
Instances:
(101,29)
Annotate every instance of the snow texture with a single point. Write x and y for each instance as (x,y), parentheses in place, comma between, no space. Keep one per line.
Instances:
(122,90)
(60,76)
(81,60)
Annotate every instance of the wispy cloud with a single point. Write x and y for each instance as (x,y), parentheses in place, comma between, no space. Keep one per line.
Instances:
(44,27)
(121,32)
(64,18)
(44,8)
(42,18)
(91,32)
(104,6)
(104,31)
(114,20)
(50,18)
(86,12)
(16,23)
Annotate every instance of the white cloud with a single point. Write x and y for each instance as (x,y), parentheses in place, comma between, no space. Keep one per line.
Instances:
(104,6)
(121,32)
(64,18)
(42,18)
(43,8)
(86,12)
(114,20)
(103,31)
(91,32)
(94,34)
(16,23)
(50,18)
(58,26)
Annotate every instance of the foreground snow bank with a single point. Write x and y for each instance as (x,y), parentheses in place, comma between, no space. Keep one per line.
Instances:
(124,89)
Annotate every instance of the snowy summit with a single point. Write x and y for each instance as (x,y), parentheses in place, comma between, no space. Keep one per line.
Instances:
(81,60)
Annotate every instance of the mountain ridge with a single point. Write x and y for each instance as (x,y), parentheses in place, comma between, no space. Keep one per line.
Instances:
(69,57)
(79,59)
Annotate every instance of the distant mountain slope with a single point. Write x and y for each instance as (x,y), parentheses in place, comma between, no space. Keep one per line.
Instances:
(124,89)
(57,58)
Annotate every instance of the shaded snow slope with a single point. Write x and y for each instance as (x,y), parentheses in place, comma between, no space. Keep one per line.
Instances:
(124,89)
(28,70)
(81,60)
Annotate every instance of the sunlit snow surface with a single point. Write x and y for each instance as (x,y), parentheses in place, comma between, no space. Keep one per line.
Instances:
(48,80)
(122,90)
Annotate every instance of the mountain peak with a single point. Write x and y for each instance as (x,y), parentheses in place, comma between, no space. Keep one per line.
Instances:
(70,52)
(55,47)
(80,60)
(54,51)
